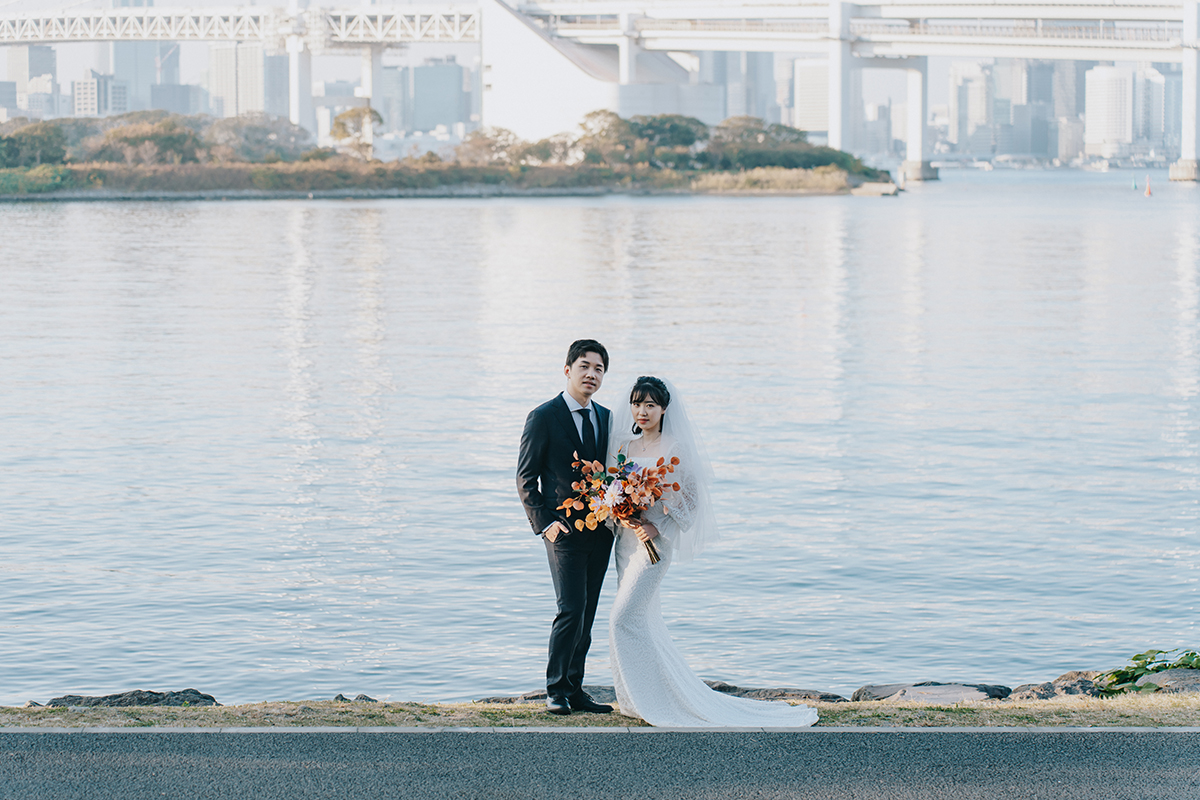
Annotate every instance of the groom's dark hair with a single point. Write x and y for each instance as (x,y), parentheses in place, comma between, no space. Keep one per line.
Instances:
(581,346)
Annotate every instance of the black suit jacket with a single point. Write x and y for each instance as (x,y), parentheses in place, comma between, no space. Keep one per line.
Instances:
(548,446)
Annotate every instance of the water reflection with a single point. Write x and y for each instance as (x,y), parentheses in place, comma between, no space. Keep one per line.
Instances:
(1185,371)
(300,389)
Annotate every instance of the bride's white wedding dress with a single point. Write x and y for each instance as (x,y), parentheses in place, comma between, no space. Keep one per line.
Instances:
(652,680)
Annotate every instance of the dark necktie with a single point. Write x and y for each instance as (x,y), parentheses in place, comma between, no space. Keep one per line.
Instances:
(589,436)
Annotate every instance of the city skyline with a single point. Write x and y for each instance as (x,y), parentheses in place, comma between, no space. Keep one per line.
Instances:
(993,106)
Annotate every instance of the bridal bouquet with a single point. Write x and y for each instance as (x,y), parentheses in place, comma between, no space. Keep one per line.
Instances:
(622,492)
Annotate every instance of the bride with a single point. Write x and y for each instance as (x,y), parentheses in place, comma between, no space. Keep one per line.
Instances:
(651,678)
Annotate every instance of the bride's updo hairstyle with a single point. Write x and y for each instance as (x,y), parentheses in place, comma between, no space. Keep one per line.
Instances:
(646,388)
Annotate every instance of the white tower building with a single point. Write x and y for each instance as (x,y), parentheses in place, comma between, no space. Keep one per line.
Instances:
(810,95)
(1108,122)
(243,79)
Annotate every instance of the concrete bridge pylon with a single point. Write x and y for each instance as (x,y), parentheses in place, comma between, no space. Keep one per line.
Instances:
(1185,169)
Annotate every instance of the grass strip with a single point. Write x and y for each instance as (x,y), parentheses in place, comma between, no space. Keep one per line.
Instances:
(1148,711)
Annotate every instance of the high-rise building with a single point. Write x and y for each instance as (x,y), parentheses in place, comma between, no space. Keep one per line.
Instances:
(1172,107)
(393,98)
(1039,82)
(31,61)
(1149,94)
(223,78)
(750,85)
(167,64)
(1031,130)
(99,95)
(810,94)
(275,85)
(8,95)
(784,75)
(242,79)
(1108,121)
(439,94)
(1068,133)
(876,135)
(41,99)
(1010,78)
(142,64)
(1069,87)
(972,106)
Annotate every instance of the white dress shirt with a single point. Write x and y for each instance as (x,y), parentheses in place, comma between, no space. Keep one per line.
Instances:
(574,406)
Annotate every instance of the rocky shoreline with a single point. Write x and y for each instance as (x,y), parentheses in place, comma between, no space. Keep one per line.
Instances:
(1077,683)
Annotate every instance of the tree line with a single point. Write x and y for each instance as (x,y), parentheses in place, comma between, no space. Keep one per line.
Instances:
(664,141)
(152,137)
(639,144)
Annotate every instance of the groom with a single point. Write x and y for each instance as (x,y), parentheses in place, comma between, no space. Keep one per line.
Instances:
(554,432)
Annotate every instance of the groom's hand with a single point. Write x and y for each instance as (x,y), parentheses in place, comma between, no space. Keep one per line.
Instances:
(555,530)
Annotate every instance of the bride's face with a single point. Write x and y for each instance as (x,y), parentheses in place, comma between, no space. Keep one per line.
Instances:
(647,414)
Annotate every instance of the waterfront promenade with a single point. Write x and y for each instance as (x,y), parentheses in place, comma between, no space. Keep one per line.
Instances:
(864,764)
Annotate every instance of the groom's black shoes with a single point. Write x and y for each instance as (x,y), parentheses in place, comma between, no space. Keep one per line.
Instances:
(581,702)
(557,705)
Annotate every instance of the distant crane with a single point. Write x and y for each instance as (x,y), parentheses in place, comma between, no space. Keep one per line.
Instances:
(159,60)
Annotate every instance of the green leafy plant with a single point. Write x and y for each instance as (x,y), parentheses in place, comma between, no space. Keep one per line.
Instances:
(1124,679)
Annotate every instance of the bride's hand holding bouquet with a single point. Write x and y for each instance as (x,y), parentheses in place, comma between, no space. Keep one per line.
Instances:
(621,492)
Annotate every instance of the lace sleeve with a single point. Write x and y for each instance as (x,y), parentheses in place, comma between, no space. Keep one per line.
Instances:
(680,506)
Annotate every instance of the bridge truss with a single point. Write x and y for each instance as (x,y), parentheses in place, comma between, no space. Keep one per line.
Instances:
(320,28)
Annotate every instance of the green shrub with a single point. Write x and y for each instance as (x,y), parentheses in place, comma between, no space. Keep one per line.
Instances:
(34,180)
(1124,679)
(39,143)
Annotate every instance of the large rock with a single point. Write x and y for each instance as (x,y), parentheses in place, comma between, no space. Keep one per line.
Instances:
(932,692)
(1174,681)
(189,697)
(1075,683)
(776,694)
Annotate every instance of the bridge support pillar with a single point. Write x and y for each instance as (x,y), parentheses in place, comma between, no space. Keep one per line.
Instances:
(627,50)
(915,166)
(372,72)
(300,102)
(839,74)
(1186,169)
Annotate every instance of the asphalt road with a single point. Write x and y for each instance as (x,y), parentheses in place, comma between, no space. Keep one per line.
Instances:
(641,765)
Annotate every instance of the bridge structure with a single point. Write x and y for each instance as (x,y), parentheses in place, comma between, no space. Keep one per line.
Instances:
(889,34)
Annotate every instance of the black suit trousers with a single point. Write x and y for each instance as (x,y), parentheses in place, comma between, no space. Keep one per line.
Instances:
(578,562)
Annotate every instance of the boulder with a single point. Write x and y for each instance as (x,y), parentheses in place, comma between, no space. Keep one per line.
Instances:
(932,692)
(137,697)
(1077,682)
(1173,681)
(776,694)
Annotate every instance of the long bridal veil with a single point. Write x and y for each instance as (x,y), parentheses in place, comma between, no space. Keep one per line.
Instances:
(694,472)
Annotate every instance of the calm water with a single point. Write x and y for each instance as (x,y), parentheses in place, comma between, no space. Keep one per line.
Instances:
(266,450)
